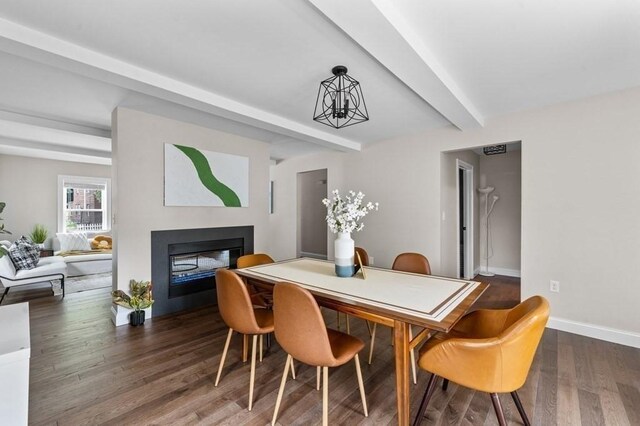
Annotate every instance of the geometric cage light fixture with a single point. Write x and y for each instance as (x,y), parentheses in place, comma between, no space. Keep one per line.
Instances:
(340,102)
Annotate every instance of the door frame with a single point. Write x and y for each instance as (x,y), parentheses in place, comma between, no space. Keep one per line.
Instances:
(468,188)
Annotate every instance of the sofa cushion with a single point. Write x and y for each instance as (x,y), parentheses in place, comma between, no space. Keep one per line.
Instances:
(47,266)
(7,268)
(24,254)
(73,241)
(101,242)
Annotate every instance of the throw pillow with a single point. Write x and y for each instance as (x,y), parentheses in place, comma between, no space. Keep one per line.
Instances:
(24,254)
(73,241)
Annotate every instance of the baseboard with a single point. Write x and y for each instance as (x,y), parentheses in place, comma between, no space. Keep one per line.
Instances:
(120,315)
(499,271)
(506,272)
(595,331)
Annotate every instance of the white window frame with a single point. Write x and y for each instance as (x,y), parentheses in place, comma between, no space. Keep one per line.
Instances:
(62,199)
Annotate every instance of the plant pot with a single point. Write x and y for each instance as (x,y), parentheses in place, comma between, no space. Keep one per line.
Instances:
(344,247)
(136,318)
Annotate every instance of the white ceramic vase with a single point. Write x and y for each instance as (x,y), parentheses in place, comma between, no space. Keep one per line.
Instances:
(343,254)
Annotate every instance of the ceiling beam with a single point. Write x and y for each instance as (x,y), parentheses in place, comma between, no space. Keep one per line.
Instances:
(399,49)
(43,48)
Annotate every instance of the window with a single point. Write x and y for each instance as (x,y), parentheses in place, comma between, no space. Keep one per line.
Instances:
(83,204)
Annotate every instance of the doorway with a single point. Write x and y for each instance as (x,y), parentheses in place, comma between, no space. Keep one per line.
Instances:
(464,234)
(312,228)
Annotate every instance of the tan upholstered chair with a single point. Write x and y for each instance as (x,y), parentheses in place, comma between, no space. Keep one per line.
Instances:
(301,332)
(417,264)
(489,351)
(239,315)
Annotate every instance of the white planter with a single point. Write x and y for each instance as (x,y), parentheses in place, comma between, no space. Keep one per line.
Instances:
(344,247)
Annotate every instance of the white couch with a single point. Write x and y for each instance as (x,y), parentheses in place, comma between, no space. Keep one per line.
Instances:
(85,264)
(48,269)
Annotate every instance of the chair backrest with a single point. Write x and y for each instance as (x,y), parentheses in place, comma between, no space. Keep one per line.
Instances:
(519,340)
(256,259)
(234,302)
(299,326)
(364,256)
(412,262)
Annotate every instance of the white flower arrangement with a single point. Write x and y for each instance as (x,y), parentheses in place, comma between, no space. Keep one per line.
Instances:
(343,215)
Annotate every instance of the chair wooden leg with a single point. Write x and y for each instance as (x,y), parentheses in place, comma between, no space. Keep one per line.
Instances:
(425,400)
(348,324)
(261,343)
(373,341)
(245,348)
(254,343)
(498,407)
(412,355)
(281,390)
(369,328)
(445,384)
(520,408)
(361,385)
(338,319)
(293,370)
(318,371)
(325,396)
(224,355)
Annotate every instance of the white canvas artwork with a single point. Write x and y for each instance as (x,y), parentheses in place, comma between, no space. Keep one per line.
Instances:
(195,177)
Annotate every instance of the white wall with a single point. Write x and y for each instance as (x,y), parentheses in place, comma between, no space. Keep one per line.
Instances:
(283,222)
(29,186)
(138,189)
(503,172)
(579,204)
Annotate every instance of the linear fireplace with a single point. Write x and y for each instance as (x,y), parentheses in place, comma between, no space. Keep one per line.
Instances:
(184,263)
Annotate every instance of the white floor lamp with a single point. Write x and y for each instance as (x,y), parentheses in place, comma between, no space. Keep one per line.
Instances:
(487,212)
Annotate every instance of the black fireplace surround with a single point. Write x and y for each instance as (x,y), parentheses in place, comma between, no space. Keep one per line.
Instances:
(183,246)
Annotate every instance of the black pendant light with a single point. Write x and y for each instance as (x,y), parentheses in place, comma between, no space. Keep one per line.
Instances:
(340,102)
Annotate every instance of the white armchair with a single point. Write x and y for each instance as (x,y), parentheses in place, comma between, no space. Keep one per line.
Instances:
(48,269)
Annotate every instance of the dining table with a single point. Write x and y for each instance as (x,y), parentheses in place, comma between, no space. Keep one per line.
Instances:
(392,298)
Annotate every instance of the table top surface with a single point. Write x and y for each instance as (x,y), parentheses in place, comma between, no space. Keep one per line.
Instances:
(416,297)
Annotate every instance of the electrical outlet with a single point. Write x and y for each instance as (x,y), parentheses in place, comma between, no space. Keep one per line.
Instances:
(371,260)
(554,286)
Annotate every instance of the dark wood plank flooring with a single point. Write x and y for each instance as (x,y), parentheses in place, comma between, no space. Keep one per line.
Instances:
(86,371)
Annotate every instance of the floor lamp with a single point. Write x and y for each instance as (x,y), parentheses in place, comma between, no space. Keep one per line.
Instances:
(487,212)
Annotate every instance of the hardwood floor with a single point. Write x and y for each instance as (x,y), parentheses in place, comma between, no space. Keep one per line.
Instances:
(86,371)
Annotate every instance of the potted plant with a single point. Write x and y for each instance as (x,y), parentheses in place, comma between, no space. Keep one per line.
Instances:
(139,300)
(39,235)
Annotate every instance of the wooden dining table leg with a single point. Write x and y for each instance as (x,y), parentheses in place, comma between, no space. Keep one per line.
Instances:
(401,350)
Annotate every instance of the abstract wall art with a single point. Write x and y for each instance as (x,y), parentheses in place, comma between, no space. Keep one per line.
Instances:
(195,177)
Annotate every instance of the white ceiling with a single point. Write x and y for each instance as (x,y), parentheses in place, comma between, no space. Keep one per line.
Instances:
(253,67)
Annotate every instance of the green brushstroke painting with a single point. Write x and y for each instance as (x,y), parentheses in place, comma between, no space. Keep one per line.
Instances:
(205,174)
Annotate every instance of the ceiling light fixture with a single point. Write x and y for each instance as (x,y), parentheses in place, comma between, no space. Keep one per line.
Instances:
(340,102)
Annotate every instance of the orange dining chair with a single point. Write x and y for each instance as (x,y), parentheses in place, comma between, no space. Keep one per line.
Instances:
(489,350)
(249,260)
(258,298)
(239,315)
(301,332)
(417,264)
